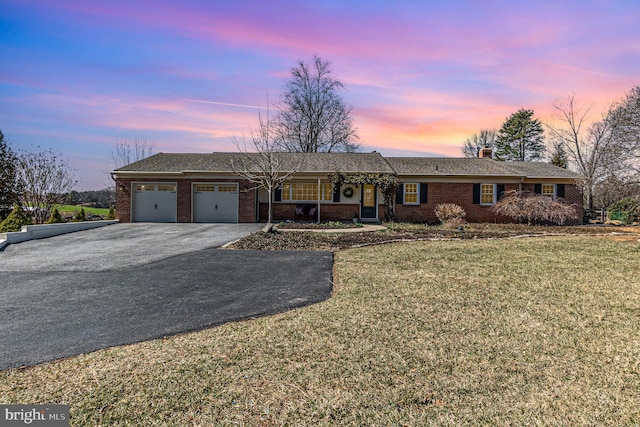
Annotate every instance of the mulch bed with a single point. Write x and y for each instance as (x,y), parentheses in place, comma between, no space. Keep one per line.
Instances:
(308,240)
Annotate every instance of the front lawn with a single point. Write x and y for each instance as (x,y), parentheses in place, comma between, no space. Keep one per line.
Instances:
(540,331)
(71,210)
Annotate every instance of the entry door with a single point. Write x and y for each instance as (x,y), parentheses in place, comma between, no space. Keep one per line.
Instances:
(368,202)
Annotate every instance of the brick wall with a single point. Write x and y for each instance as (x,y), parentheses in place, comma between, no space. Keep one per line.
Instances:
(247,198)
(462,194)
(458,193)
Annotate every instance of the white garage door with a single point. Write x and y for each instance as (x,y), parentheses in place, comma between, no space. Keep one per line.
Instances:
(215,202)
(154,202)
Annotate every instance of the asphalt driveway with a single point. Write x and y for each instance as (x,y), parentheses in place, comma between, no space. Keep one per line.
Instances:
(126,283)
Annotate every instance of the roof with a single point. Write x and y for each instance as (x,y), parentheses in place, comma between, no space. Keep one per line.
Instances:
(222,162)
(321,163)
(447,166)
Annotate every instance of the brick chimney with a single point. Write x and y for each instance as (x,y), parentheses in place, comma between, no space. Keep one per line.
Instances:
(485,153)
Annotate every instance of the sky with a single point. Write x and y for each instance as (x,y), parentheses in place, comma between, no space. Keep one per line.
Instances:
(80,76)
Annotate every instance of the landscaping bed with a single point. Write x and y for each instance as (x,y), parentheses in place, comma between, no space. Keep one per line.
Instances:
(309,240)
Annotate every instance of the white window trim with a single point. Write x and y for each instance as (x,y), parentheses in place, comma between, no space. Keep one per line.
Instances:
(555,190)
(318,193)
(495,196)
(404,193)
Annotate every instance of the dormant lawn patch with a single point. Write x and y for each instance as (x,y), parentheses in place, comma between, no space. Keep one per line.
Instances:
(469,332)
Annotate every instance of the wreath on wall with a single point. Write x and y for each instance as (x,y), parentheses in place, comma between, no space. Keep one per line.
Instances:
(348,192)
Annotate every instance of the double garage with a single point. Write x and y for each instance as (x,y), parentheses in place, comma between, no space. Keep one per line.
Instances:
(210,202)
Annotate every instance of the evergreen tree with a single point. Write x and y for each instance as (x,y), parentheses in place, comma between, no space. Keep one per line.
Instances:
(9,189)
(14,222)
(559,156)
(520,138)
(55,217)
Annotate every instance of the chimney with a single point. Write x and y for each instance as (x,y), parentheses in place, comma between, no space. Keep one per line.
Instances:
(485,153)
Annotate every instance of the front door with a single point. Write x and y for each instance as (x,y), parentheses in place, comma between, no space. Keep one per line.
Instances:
(368,202)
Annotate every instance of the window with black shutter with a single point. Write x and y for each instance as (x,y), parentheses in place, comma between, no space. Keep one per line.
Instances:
(423,192)
(400,194)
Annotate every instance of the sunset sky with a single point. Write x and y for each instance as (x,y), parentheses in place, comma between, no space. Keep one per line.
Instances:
(78,76)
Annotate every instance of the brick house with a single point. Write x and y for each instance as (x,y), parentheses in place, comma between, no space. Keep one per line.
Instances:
(179,187)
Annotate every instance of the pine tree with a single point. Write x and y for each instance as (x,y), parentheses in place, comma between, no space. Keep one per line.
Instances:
(520,138)
(14,222)
(559,157)
(55,217)
(8,182)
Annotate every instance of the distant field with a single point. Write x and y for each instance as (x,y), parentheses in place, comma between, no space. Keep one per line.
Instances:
(88,211)
(537,331)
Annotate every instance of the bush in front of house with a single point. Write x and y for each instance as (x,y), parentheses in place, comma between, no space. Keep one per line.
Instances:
(55,217)
(14,221)
(450,214)
(626,210)
(112,214)
(80,216)
(524,207)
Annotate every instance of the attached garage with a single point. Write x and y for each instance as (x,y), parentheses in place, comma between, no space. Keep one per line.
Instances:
(154,202)
(215,202)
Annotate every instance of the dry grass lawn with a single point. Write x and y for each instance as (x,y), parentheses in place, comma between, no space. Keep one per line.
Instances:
(538,331)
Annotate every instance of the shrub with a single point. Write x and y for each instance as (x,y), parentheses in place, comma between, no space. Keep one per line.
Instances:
(55,217)
(626,210)
(534,209)
(112,213)
(80,216)
(14,221)
(450,214)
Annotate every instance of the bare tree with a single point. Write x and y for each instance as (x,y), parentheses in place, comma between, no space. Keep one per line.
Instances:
(473,144)
(44,178)
(261,163)
(312,115)
(127,152)
(591,149)
(625,127)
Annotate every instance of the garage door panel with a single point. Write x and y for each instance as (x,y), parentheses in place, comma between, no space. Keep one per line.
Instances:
(154,202)
(215,202)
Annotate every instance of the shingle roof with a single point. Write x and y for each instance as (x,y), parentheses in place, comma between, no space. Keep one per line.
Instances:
(447,166)
(221,162)
(350,163)
(541,170)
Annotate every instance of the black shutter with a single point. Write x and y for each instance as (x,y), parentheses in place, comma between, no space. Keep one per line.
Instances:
(500,191)
(400,194)
(277,195)
(538,189)
(560,190)
(423,192)
(476,194)
(336,193)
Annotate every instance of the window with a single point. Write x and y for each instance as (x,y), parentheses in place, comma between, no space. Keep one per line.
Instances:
(487,194)
(549,190)
(410,193)
(227,188)
(165,187)
(145,187)
(306,191)
(205,188)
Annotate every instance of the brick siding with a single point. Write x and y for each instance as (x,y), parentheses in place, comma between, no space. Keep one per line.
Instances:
(458,193)
(247,198)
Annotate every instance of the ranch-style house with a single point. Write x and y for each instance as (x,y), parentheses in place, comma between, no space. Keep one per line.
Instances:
(181,187)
